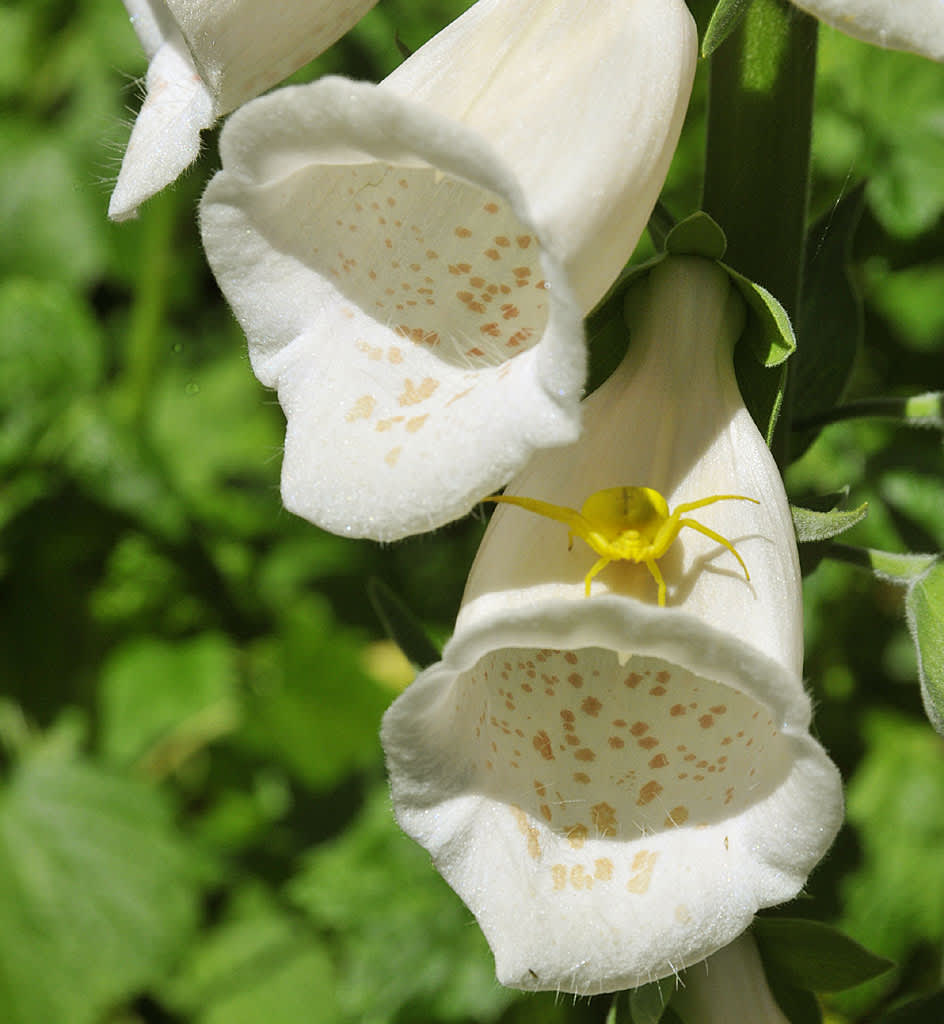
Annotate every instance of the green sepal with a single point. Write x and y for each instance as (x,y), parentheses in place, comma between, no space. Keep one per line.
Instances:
(815,956)
(760,357)
(812,526)
(924,608)
(726,17)
(401,625)
(768,331)
(697,235)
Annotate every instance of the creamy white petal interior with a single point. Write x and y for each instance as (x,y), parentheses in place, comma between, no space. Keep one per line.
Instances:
(405,267)
(915,25)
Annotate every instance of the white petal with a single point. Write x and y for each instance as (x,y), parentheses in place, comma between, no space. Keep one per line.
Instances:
(614,788)
(166,135)
(386,262)
(916,25)
(243,47)
(729,986)
(207,57)
(584,100)
(609,824)
(351,233)
(680,426)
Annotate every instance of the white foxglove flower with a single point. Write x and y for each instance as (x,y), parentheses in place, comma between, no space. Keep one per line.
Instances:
(206,58)
(729,986)
(411,261)
(915,25)
(615,787)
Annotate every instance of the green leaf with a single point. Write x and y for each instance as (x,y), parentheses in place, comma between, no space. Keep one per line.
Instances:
(918,1011)
(880,114)
(924,606)
(910,298)
(52,228)
(166,701)
(815,956)
(894,899)
(830,322)
(725,19)
(812,526)
(50,351)
(310,703)
(887,565)
(403,938)
(97,896)
(260,964)
(401,625)
(697,235)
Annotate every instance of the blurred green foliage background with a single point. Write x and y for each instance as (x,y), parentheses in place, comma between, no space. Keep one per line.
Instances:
(194,825)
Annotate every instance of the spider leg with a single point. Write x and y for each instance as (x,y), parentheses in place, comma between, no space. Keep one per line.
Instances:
(656,572)
(598,566)
(690,506)
(716,537)
(577,523)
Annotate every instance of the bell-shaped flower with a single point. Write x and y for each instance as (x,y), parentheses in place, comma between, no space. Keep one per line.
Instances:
(206,58)
(729,986)
(612,785)
(915,25)
(411,261)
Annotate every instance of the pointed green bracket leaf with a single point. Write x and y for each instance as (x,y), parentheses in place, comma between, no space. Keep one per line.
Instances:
(402,626)
(725,19)
(890,566)
(697,235)
(772,340)
(814,955)
(924,608)
(811,526)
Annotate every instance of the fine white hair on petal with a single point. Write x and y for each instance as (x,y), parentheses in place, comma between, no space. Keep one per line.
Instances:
(915,25)
(403,266)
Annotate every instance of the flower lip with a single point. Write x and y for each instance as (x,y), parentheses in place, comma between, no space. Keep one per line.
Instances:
(613,789)
(395,290)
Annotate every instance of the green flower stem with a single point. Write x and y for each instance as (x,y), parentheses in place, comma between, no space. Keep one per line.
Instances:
(916,410)
(145,343)
(760,109)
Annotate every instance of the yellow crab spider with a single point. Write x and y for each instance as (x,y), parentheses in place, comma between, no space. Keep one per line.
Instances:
(628,523)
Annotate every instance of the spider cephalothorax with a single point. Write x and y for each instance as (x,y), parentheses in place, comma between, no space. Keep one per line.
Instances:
(629,524)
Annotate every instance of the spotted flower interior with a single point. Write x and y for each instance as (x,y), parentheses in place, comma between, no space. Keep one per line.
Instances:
(416,258)
(591,747)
